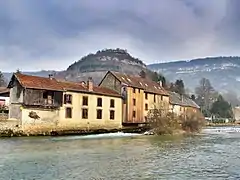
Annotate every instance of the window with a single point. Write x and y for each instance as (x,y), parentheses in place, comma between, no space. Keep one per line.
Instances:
(99,102)
(99,114)
(134,102)
(85,101)
(67,99)
(161,98)
(48,97)
(68,112)
(134,90)
(139,90)
(146,95)
(112,114)
(84,113)
(146,107)
(154,98)
(134,114)
(45,95)
(112,103)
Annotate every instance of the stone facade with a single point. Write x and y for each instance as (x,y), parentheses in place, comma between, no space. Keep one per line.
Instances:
(111,82)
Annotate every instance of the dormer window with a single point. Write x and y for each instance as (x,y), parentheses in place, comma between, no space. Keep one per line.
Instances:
(146,85)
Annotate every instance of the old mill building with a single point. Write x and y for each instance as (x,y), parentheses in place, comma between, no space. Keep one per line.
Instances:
(119,100)
(46,103)
(139,95)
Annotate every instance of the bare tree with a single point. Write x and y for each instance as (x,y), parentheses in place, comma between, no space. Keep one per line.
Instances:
(2,80)
(206,95)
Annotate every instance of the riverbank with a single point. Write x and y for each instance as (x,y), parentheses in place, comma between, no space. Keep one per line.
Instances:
(221,124)
(20,133)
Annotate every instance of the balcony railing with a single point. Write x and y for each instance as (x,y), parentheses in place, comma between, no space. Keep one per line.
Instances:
(43,103)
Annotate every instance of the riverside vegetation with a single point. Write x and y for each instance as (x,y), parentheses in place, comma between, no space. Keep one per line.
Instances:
(162,123)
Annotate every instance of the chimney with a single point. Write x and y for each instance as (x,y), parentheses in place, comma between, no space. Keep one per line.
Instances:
(160,83)
(90,84)
(50,76)
(181,97)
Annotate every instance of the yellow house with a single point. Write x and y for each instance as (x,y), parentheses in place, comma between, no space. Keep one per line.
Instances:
(40,103)
(180,104)
(139,95)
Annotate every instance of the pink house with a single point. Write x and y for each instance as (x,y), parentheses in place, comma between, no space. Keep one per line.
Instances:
(2,102)
(4,96)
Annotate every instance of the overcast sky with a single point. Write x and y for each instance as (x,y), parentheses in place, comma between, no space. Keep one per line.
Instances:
(52,34)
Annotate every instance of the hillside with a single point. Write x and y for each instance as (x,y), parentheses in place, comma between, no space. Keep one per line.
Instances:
(223,72)
(96,65)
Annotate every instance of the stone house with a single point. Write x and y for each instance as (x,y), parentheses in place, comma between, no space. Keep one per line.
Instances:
(180,104)
(140,95)
(39,103)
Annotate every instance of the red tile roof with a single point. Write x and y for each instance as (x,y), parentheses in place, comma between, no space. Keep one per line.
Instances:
(141,83)
(35,82)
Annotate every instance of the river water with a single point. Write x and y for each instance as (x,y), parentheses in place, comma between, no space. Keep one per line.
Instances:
(214,154)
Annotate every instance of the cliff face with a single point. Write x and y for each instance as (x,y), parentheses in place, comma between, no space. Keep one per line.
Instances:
(96,65)
(223,72)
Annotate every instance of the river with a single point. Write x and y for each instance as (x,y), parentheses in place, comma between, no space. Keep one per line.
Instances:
(214,154)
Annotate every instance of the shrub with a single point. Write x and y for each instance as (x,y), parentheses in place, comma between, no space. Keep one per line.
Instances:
(162,123)
(168,123)
(192,121)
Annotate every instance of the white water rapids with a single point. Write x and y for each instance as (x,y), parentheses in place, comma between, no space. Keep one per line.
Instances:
(221,130)
(98,136)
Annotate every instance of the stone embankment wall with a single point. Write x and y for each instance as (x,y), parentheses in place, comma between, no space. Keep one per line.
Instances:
(3,116)
(9,128)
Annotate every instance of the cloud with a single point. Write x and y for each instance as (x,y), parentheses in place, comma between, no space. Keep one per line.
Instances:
(51,34)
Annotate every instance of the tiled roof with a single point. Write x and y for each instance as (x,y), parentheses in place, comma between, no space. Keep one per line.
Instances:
(35,82)
(177,99)
(141,83)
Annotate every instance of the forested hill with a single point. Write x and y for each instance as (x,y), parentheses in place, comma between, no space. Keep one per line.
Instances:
(97,64)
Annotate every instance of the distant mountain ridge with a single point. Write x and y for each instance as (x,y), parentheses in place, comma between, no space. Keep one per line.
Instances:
(43,73)
(223,72)
(96,65)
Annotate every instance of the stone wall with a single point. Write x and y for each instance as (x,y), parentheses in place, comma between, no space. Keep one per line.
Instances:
(111,82)
(9,125)
(3,116)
